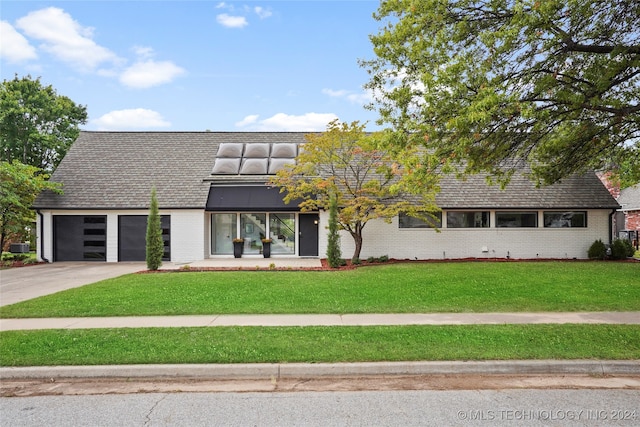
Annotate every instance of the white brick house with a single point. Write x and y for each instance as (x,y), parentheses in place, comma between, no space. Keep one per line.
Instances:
(211,189)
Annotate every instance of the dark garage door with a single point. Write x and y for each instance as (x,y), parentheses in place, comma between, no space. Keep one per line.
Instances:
(132,237)
(80,238)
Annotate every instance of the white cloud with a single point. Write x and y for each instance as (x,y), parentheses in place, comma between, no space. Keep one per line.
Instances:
(230,21)
(136,118)
(143,52)
(237,16)
(249,120)
(65,38)
(262,12)
(282,122)
(353,97)
(145,74)
(14,47)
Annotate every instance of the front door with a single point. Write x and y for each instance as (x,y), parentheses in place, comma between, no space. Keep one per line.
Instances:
(308,234)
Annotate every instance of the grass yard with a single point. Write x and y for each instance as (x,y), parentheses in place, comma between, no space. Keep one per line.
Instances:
(392,288)
(318,344)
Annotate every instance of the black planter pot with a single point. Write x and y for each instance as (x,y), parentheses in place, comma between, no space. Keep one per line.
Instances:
(237,249)
(266,249)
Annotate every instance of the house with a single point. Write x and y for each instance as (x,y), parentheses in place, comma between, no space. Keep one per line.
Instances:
(211,189)
(627,219)
(629,200)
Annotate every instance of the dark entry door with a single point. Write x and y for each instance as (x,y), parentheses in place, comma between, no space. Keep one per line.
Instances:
(132,237)
(79,238)
(308,236)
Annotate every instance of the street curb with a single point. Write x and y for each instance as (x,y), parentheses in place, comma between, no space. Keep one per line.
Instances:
(316,370)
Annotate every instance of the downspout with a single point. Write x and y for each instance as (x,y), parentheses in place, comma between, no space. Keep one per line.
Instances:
(41,235)
(613,212)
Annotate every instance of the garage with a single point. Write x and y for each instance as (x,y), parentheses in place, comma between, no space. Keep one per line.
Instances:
(132,237)
(80,238)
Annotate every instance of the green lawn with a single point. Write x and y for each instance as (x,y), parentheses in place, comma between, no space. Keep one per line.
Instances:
(392,288)
(402,288)
(318,344)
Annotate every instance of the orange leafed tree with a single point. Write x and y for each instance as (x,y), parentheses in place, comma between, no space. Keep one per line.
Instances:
(368,182)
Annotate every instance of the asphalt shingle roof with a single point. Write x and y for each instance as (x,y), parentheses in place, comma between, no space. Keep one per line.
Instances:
(630,198)
(584,192)
(116,170)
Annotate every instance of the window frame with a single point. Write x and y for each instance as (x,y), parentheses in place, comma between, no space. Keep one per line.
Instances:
(533,214)
(567,223)
(485,219)
(417,223)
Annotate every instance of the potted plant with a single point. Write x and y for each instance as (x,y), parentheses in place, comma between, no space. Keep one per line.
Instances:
(238,245)
(266,248)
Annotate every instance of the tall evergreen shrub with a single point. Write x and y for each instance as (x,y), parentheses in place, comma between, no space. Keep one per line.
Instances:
(155,245)
(334,255)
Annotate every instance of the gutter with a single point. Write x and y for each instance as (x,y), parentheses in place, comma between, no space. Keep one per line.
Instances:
(42,236)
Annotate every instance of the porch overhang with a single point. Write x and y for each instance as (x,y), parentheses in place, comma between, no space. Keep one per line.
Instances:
(248,198)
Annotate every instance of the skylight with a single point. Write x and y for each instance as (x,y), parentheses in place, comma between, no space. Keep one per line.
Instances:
(253,158)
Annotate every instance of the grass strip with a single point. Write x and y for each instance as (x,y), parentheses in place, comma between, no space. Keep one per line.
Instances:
(394,288)
(317,344)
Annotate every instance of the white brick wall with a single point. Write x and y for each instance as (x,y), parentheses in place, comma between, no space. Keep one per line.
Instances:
(188,238)
(381,238)
(187,235)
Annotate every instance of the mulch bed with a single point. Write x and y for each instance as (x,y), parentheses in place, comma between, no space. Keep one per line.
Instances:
(351,266)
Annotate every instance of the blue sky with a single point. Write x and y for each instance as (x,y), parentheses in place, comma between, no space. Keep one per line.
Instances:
(197,65)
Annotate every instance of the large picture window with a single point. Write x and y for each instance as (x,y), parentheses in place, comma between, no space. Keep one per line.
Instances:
(253,227)
(406,221)
(224,230)
(571,219)
(468,219)
(516,219)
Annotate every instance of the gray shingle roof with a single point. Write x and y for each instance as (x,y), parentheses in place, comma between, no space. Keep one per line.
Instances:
(630,198)
(584,192)
(116,170)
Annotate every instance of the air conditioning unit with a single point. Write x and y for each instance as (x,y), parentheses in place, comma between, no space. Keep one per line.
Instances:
(19,248)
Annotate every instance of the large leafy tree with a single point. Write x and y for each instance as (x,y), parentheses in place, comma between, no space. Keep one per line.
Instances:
(367,182)
(20,184)
(555,83)
(37,126)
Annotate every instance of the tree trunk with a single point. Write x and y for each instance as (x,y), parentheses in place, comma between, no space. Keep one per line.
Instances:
(357,238)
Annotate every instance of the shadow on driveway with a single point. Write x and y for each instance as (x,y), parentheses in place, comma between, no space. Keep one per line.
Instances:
(23,283)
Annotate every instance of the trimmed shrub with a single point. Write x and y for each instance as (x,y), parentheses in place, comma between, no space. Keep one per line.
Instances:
(334,255)
(621,248)
(155,245)
(598,250)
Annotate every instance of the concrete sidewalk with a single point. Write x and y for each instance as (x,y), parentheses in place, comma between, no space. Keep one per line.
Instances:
(632,317)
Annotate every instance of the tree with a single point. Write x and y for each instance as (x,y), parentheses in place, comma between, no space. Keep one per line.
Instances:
(155,244)
(37,126)
(555,83)
(19,186)
(334,254)
(361,173)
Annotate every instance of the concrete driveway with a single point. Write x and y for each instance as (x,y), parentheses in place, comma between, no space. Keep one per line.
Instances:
(23,283)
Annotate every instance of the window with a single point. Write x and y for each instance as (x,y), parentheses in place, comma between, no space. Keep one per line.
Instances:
(223,231)
(565,219)
(468,219)
(253,227)
(406,221)
(253,230)
(282,231)
(516,219)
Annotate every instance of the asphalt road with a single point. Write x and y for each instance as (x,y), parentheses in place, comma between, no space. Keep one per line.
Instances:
(363,408)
